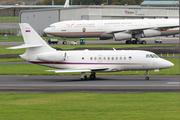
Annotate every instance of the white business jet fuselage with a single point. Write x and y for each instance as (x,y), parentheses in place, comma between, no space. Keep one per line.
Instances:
(116,29)
(39,52)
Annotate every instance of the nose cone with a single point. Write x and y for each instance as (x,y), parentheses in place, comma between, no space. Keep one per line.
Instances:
(165,64)
(46,30)
(169,64)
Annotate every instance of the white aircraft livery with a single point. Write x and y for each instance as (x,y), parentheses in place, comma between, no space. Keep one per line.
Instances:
(39,52)
(116,29)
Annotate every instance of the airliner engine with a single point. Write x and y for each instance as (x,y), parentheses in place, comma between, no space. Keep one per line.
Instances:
(52,56)
(122,36)
(151,33)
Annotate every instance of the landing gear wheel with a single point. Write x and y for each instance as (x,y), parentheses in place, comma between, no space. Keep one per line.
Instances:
(92,76)
(128,41)
(64,42)
(85,78)
(138,42)
(143,42)
(134,42)
(147,78)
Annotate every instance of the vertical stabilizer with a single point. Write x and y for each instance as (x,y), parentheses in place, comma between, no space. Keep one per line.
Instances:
(31,37)
(66,3)
(34,44)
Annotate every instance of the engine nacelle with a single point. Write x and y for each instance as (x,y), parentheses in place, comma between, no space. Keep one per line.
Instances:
(52,56)
(122,36)
(105,36)
(151,33)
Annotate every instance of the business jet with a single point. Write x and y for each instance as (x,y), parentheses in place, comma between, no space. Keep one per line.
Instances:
(39,52)
(117,29)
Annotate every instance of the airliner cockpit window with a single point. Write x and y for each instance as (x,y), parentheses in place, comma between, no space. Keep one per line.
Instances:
(151,56)
(155,56)
(51,26)
(147,56)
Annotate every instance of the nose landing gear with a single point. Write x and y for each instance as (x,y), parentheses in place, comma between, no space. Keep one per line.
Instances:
(147,73)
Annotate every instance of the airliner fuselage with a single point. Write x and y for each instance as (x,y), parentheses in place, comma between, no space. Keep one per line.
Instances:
(117,29)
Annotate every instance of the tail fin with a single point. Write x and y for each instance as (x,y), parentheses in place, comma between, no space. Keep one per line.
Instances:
(66,3)
(31,38)
(34,44)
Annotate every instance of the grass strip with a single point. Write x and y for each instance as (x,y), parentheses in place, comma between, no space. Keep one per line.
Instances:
(33,69)
(20,38)
(88,106)
(12,19)
(12,60)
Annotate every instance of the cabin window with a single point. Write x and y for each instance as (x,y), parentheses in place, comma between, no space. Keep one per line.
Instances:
(99,58)
(108,58)
(124,58)
(116,58)
(91,58)
(94,58)
(104,58)
(120,58)
(112,58)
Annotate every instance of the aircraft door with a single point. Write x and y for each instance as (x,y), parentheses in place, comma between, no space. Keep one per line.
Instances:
(100,58)
(100,26)
(63,27)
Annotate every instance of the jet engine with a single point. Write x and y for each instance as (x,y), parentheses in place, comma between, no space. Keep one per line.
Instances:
(52,56)
(105,36)
(122,36)
(151,33)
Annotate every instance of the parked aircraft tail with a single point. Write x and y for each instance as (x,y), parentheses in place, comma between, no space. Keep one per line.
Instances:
(66,3)
(34,44)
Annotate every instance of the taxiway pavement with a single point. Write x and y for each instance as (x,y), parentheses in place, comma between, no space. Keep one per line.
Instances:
(103,84)
(165,40)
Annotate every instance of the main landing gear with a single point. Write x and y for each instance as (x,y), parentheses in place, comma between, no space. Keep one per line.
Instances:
(135,42)
(147,73)
(84,77)
(64,41)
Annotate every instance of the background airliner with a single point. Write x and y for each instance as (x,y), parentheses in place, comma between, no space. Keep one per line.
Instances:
(116,29)
(39,52)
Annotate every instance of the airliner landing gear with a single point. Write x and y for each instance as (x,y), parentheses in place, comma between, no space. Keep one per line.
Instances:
(128,41)
(64,41)
(147,73)
(135,41)
(92,76)
(83,76)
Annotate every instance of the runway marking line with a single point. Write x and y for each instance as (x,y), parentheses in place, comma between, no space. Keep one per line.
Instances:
(173,82)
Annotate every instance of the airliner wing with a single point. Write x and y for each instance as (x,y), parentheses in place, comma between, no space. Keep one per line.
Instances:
(129,30)
(141,29)
(78,70)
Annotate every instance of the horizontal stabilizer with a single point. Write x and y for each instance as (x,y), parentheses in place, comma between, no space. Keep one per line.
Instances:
(24,46)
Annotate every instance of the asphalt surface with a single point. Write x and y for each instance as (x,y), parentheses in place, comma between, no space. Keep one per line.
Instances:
(103,84)
(165,40)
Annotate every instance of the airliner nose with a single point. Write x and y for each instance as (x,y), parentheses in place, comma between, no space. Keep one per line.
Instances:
(46,30)
(165,64)
(170,64)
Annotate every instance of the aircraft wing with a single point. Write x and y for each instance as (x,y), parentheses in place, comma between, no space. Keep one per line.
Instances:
(77,70)
(136,30)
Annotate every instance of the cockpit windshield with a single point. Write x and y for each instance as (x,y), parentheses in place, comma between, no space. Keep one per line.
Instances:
(151,56)
(51,26)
